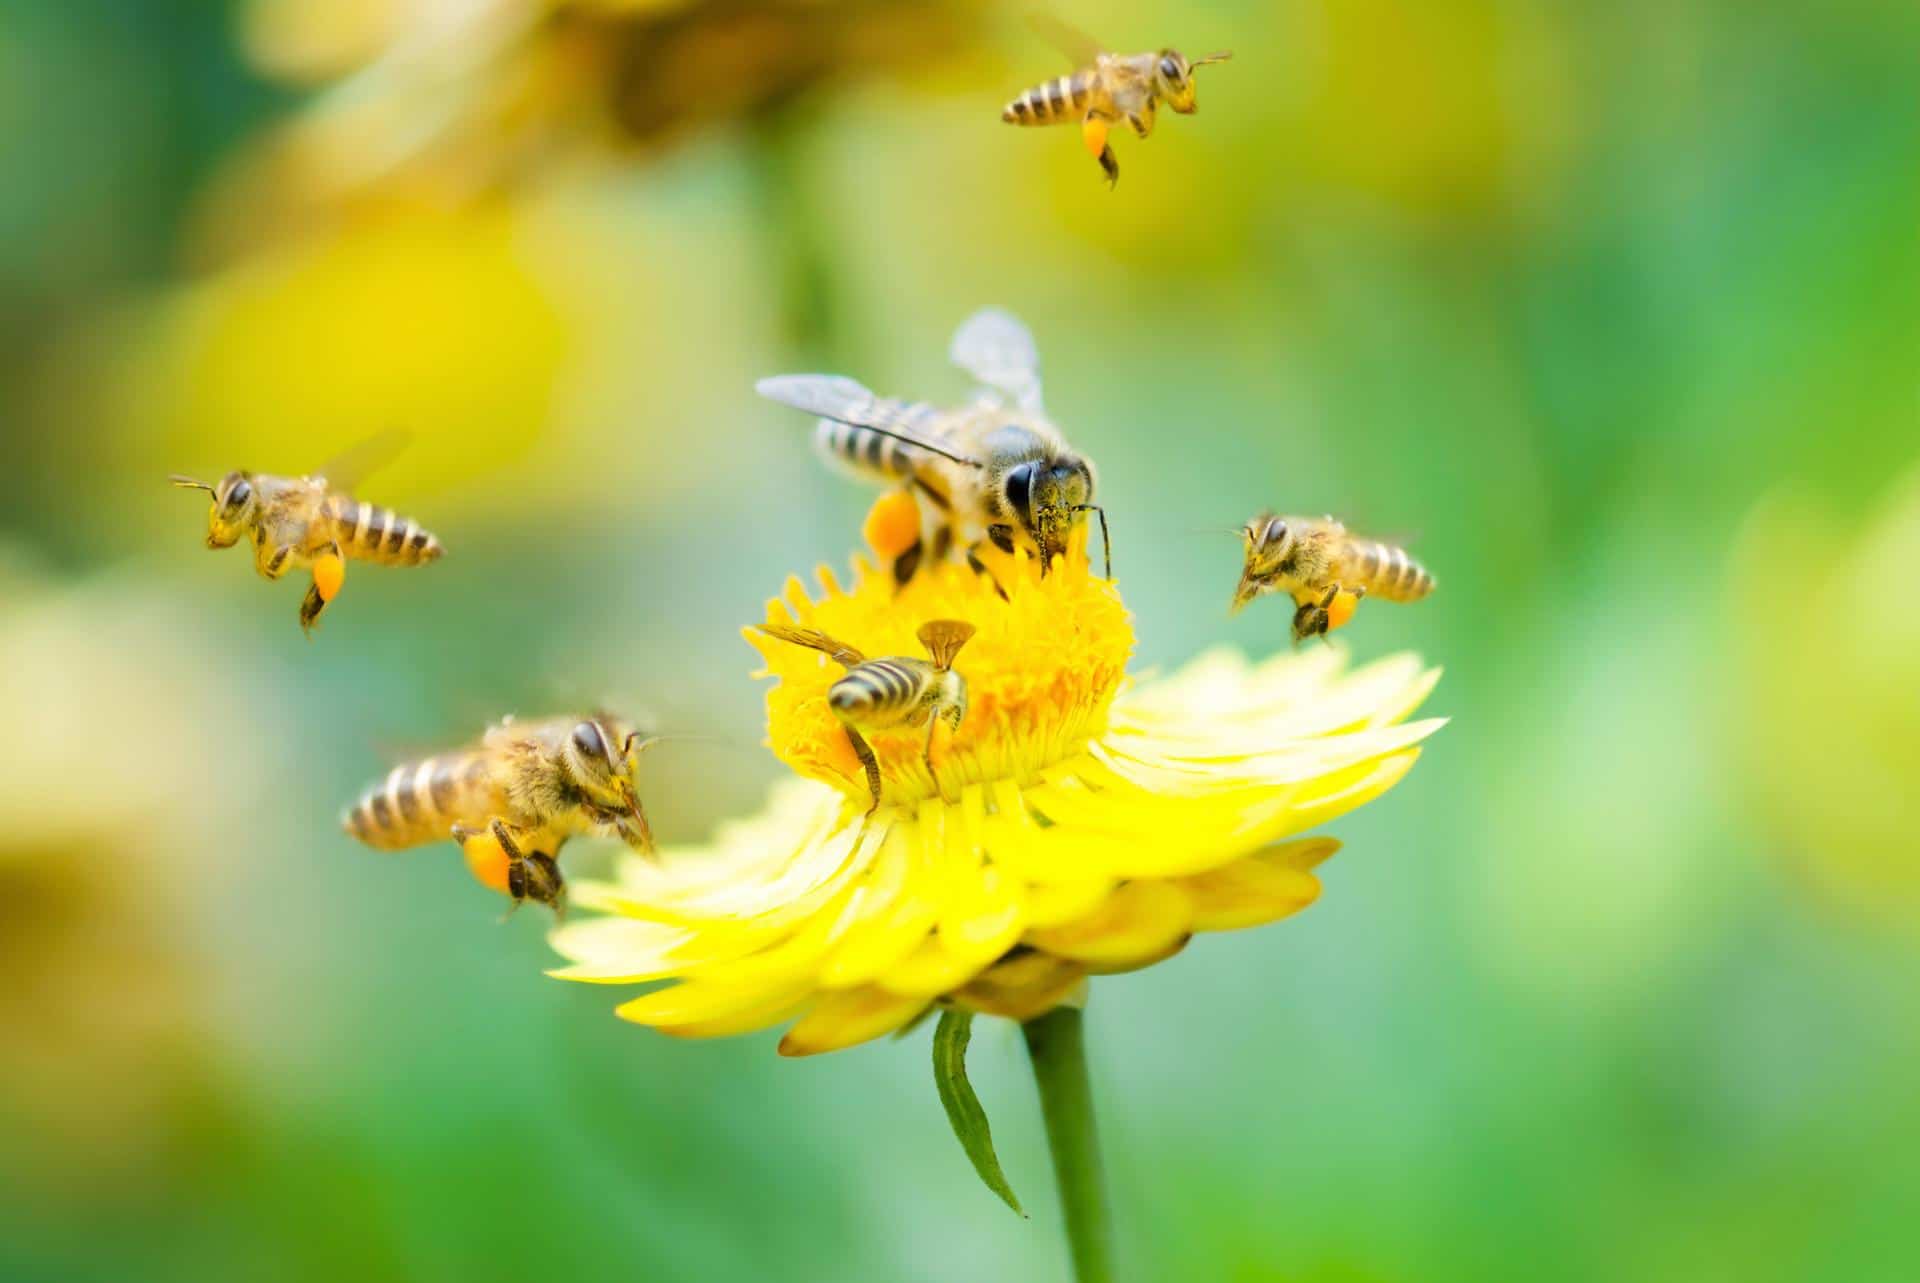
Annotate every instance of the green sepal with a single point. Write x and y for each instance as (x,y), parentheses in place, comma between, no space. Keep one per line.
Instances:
(963,1107)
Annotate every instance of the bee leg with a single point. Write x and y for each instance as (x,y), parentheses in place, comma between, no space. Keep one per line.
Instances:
(869,763)
(310,607)
(544,883)
(276,565)
(1093,132)
(1310,620)
(329,572)
(933,724)
(979,567)
(504,837)
(906,563)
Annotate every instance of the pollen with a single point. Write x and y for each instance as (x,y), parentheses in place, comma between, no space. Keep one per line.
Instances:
(329,573)
(893,525)
(1340,609)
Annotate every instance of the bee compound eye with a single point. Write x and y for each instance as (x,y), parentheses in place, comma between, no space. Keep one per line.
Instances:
(1170,68)
(587,739)
(1020,487)
(238,494)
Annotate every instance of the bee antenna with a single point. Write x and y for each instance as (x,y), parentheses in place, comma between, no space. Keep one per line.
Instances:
(1219,56)
(916,442)
(188,483)
(1106,542)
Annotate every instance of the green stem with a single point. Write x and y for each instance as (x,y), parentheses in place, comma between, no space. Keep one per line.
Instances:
(1057,1044)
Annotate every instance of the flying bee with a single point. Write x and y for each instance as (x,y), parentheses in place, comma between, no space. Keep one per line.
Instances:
(520,792)
(996,470)
(1108,88)
(899,692)
(1324,569)
(301,522)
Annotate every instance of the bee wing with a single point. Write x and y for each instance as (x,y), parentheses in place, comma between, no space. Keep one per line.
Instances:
(838,651)
(350,467)
(833,396)
(995,348)
(1079,47)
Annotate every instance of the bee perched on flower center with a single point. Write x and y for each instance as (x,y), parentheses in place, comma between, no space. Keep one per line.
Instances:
(901,691)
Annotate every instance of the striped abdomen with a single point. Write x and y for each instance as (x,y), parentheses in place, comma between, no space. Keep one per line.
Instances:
(871,453)
(881,692)
(422,801)
(1065,98)
(1384,571)
(366,532)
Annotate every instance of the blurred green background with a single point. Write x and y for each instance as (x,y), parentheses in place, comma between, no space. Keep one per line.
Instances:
(1613,309)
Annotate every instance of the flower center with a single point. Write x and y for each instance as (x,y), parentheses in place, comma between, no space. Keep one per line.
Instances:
(1041,671)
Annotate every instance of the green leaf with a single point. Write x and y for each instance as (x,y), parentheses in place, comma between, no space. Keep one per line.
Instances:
(963,1107)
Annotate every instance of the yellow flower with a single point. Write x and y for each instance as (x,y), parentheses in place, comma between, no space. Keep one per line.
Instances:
(1078,825)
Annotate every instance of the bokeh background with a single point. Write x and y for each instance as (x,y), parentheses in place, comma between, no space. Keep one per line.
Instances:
(1612,309)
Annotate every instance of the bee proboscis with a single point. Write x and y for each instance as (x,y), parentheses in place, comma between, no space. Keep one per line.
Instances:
(518,795)
(898,692)
(994,471)
(1324,569)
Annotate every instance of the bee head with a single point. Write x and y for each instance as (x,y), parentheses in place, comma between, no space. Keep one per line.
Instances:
(1269,544)
(235,503)
(1173,78)
(604,761)
(953,702)
(1048,496)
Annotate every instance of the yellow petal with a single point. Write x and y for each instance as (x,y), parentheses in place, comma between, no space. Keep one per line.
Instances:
(851,1016)
(1261,888)
(694,1005)
(928,971)
(1027,985)
(1139,922)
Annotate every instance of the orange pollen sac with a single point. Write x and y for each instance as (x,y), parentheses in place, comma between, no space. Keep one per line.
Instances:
(329,572)
(486,861)
(892,525)
(1341,609)
(1093,131)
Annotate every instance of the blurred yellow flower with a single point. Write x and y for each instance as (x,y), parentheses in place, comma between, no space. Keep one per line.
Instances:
(459,100)
(1078,826)
(1833,736)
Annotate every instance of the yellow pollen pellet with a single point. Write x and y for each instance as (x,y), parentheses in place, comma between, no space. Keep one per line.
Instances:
(486,861)
(329,572)
(892,525)
(1341,609)
(1093,132)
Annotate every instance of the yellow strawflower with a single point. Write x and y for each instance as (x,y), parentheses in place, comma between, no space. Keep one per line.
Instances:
(1079,824)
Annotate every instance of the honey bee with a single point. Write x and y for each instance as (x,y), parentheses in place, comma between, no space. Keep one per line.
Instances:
(996,470)
(895,693)
(519,793)
(301,522)
(1324,569)
(1108,88)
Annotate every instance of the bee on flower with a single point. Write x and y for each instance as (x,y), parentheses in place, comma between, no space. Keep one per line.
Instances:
(1079,825)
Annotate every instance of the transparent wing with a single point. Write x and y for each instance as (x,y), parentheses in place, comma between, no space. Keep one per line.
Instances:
(1079,47)
(838,651)
(999,351)
(348,469)
(833,396)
